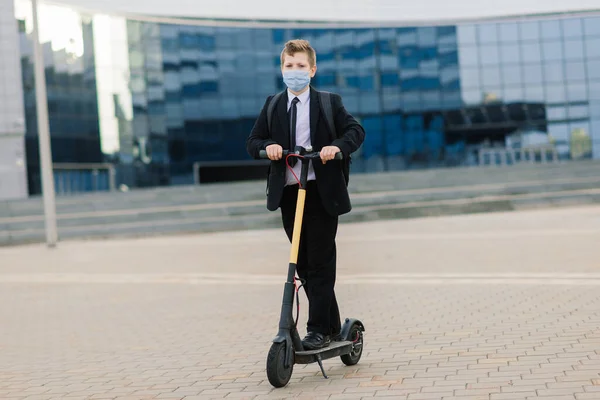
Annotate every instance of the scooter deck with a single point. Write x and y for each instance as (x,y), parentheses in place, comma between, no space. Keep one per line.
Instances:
(335,349)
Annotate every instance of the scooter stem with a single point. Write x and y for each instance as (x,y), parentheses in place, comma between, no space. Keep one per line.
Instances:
(297,226)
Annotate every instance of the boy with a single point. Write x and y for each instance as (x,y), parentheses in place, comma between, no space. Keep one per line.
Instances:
(326,192)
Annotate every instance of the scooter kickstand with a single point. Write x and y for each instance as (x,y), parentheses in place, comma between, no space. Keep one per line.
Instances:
(321,365)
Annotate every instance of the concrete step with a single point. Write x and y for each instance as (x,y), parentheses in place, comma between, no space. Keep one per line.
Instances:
(253,215)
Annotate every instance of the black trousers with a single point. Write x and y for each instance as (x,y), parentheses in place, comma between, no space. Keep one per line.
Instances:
(316,257)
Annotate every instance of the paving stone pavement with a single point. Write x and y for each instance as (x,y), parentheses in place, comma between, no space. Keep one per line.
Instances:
(499,306)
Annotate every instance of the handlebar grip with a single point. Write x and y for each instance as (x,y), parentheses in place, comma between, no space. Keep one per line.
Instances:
(263,154)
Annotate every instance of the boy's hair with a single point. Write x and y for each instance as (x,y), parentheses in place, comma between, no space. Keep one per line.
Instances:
(299,46)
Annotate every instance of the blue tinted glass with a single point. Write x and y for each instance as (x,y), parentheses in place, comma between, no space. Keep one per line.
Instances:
(372,145)
(513,94)
(448,59)
(278,36)
(491,77)
(531,52)
(551,30)
(552,51)
(469,77)
(509,32)
(510,54)
(529,31)
(489,55)
(409,57)
(426,36)
(467,34)
(593,69)
(572,27)
(511,75)
(555,93)
(575,71)
(592,47)
(591,26)
(468,56)
(392,125)
(390,79)
(554,72)
(574,49)
(577,92)
(488,33)
(446,30)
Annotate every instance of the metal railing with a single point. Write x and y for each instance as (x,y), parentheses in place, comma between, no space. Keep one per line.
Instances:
(74,178)
(508,156)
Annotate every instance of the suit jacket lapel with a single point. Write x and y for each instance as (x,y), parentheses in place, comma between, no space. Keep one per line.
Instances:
(282,117)
(314,115)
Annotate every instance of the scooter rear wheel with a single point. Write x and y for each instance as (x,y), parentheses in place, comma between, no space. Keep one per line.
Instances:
(278,374)
(356,336)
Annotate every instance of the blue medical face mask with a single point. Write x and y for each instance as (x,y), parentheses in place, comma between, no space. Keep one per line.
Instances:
(296,80)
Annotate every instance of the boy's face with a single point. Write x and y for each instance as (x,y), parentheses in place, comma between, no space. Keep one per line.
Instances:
(298,61)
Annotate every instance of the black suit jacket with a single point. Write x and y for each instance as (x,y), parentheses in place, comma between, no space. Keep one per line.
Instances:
(331,182)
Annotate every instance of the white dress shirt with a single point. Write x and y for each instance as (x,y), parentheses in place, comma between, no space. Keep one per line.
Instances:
(302,135)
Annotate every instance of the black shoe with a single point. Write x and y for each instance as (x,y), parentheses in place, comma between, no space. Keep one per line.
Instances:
(336,337)
(315,341)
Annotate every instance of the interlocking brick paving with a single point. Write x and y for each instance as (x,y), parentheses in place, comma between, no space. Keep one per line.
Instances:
(500,306)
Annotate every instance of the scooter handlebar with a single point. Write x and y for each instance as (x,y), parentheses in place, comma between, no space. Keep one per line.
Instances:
(311,155)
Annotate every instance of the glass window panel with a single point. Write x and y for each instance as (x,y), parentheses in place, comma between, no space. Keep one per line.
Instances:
(592,47)
(572,27)
(594,109)
(578,112)
(555,94)
(488,33)
(510,54)
(557,113)
(513,94)
(530,31)
(552,51)
(574,49)
(468,56)
(551,30)
(595,132)
(532,74)
(594,90)
(469,77)
(427,36)
(471,96)
(406,36)
(534,93)
(490,55)
(593,69)
(554,72)
(575,71)
(576,92)
(531,52)
(511,75)
(509,32)
(591,26)
(467,34)
(560,133)
(491,77)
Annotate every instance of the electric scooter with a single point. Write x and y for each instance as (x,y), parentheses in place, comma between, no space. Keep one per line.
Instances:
(287,348)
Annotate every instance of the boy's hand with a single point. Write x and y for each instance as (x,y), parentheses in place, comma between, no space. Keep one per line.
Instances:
(328,153)
(274,152)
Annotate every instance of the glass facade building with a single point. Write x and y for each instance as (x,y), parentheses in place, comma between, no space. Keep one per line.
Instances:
(155,98)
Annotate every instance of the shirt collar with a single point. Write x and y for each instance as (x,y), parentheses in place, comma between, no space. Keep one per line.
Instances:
(303,97)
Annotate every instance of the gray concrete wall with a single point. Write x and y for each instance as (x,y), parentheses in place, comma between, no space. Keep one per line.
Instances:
(13,176)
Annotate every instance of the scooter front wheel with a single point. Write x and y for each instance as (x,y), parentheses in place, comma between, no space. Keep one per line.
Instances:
(279,375)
